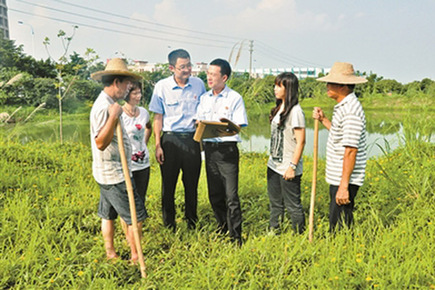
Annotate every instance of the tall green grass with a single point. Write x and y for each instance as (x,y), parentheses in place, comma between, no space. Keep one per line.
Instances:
(50,233)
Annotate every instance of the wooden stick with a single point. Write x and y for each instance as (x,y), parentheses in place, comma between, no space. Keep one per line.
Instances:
(130,199)
(314,182)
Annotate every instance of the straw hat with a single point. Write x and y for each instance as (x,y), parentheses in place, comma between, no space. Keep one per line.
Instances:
(115,66)
(342,73)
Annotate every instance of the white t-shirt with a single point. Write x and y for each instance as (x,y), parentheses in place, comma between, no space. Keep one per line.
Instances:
(106,164)
(228,104)
(135,127)
(283,141)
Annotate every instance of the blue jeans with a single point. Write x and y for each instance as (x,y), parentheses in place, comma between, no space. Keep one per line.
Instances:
(285,194)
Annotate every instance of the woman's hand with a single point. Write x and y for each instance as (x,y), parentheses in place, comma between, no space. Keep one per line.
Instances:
(289,174)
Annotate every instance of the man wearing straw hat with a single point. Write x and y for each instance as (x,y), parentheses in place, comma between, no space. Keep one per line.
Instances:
(106,165)
(346,147)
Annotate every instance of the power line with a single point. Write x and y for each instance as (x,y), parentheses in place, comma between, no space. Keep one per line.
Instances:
(119,23)
(118,31)
(144,21)
(285,55)
(280,58)
(264,49)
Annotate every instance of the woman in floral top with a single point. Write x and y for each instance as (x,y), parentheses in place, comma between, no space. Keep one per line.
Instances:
(138,126)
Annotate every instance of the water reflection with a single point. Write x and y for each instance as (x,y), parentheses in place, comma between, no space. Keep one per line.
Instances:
(384,130)
(255,143)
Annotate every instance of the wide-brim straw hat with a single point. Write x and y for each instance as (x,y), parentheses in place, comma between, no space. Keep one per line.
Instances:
(342,73)
(115,66)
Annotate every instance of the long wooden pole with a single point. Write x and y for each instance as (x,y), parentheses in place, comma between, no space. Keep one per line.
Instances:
(130,199)
(314,182)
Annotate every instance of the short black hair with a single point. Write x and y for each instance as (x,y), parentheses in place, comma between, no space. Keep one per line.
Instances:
(134,86)
(108,80)
(176,54)
(224,65)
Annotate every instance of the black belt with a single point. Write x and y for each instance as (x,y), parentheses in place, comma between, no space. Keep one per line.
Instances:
(219,144)
(181,134)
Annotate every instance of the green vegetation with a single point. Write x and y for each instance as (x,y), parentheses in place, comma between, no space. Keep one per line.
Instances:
(50,233)
(40,83)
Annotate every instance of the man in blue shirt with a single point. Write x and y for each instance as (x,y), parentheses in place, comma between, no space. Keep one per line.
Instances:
(174,102)
(222,153)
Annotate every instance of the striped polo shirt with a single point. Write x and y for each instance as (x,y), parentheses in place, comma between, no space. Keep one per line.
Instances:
(348,128)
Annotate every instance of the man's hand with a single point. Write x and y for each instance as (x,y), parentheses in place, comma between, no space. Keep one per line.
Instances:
(318,114)
(159,155)
(342,196)
(115,110)
(227,132)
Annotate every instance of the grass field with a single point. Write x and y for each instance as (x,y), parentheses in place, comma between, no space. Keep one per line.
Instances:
(50,233)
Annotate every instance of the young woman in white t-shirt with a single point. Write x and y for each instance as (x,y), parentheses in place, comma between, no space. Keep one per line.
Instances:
(284,170)
(138,126)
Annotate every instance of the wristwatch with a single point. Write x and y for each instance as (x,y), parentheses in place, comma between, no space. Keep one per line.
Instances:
(293,166)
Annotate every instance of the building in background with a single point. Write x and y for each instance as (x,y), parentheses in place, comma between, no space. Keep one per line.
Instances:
(4,24)
(300,72)
(142,66)
(199,67)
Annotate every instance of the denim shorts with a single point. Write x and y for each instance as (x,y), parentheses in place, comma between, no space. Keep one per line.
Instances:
(114,202)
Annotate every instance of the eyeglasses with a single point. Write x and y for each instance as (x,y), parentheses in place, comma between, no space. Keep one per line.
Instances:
(183,67)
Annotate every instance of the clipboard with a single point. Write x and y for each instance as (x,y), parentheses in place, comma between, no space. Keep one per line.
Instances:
(212,129)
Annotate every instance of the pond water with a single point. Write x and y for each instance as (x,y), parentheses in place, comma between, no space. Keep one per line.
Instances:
(385,130)
(254,143)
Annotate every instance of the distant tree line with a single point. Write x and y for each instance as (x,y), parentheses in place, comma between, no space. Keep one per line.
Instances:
(37,82)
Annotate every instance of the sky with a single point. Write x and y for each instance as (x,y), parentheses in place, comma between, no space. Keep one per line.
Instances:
(394,39)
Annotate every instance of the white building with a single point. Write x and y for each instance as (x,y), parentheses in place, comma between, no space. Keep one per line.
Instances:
(199,67)
(300,72)
(143,66)
(4,24)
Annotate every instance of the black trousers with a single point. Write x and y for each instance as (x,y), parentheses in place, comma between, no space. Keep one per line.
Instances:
(222,167)
(141,179)
(339,214)
(181,152)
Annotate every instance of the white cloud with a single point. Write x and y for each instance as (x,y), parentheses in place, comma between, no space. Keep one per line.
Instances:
(272,15)
(167,12)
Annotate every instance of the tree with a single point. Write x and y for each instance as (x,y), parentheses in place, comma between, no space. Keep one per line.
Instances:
(63,84)
(151,78)
(13,57)
(387,87)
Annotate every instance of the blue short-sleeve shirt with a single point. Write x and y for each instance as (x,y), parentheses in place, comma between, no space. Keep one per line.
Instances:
(177,105)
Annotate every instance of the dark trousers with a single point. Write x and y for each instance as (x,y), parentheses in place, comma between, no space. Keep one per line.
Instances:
(141,179)
(339,214)
(181,152)
(222,167)
(285,194)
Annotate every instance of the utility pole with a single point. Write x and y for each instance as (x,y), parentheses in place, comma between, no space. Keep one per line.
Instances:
(33,36)
(251,50)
